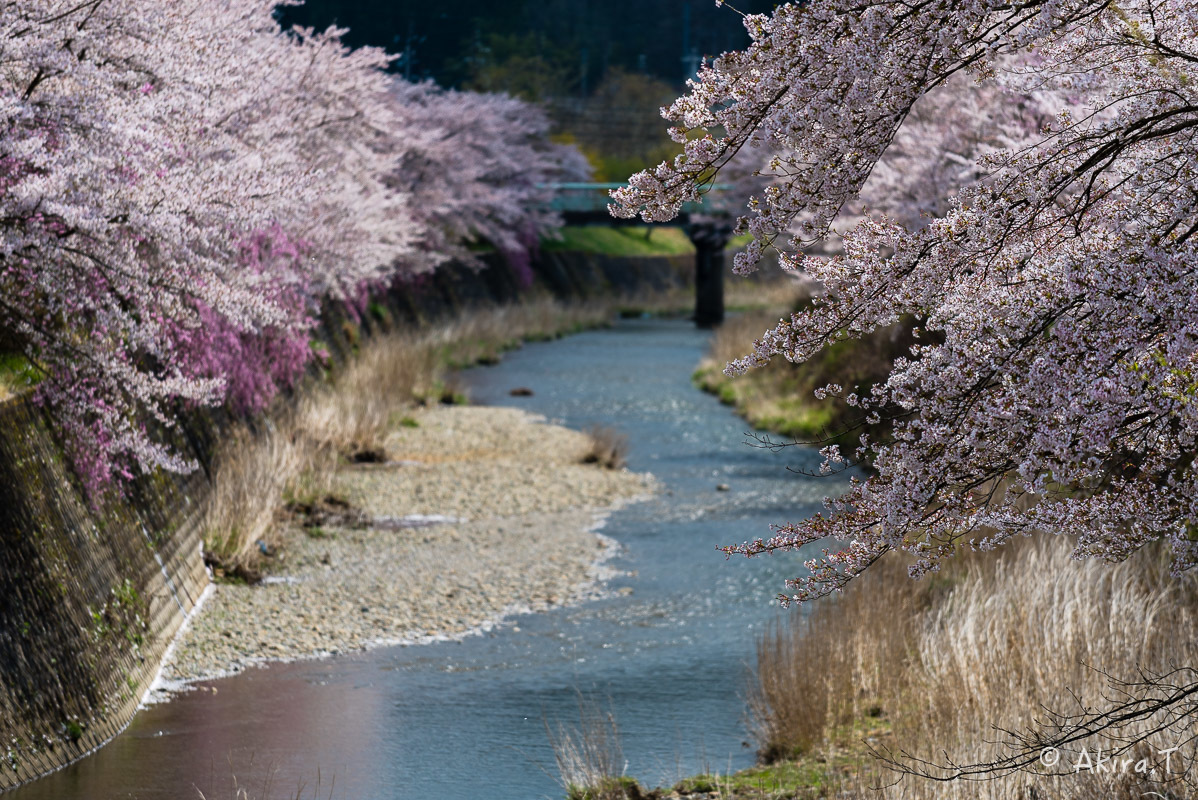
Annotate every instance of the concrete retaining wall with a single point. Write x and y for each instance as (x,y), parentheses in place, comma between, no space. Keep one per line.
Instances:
(89,597)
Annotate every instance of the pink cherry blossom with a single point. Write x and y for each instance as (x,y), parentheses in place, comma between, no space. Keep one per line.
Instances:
(1022,179)
(183,184)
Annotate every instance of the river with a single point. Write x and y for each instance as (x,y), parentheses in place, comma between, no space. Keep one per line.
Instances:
(668,652)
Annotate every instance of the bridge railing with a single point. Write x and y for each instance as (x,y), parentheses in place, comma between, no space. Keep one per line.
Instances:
(594,198)
(586,204)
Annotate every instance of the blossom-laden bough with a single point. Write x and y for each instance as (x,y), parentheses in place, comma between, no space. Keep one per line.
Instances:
(182,185)
(1022,180)
(1030,179)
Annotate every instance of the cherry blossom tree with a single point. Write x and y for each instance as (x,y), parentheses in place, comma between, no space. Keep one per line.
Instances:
(1022,179)
(1055,388)
(182,186)
(145,154)
(479,168)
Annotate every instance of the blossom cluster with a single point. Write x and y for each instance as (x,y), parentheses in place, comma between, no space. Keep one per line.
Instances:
(183,184)
(1023,180)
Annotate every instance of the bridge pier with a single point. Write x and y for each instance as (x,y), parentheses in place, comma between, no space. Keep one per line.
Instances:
(710,239)
(709,230)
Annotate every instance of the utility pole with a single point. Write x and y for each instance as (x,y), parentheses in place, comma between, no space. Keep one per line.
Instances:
(690,55)
(409,54)
(409,51)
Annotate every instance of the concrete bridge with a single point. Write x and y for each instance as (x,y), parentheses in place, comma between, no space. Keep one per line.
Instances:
(708,229)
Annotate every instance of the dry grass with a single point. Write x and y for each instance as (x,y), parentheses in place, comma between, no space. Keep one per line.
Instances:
(608,448)
(346,418)
(935,668)
(827,669)
(777,294)
(294,459)
(251,477)
(354,413)
(237,789)
(481,337)
(780,397)
(590,759)
(735,337)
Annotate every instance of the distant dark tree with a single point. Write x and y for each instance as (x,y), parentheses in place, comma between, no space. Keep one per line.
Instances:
(619,126)
(663,38)
(527,66)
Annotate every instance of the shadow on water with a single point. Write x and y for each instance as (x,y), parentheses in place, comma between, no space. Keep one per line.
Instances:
(668,651)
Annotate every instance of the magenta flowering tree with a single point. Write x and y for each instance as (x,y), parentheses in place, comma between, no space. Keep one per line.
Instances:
(254,365)
(145,154)
(182,186)
(1047,244)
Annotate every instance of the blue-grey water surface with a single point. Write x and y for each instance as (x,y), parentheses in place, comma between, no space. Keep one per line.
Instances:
(466,721)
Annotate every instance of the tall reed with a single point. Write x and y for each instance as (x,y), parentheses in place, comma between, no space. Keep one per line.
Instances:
(589,756)
(938,670)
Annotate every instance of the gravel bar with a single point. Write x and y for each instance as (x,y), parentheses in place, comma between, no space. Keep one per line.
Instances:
(481,512)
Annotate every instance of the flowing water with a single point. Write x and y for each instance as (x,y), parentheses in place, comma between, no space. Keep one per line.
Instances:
(668,653)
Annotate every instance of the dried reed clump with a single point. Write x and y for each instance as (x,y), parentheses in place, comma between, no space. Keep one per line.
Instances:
(767,292)
(252,474)
(824,669)
(237,789)
(353,414)
(589,756)
(608,447)
(480,338)
(293,459)
(994,644)
(734,338)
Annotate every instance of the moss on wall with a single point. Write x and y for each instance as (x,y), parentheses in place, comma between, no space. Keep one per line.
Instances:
(89,597)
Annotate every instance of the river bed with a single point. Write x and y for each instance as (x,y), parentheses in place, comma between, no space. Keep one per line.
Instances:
(667,649)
